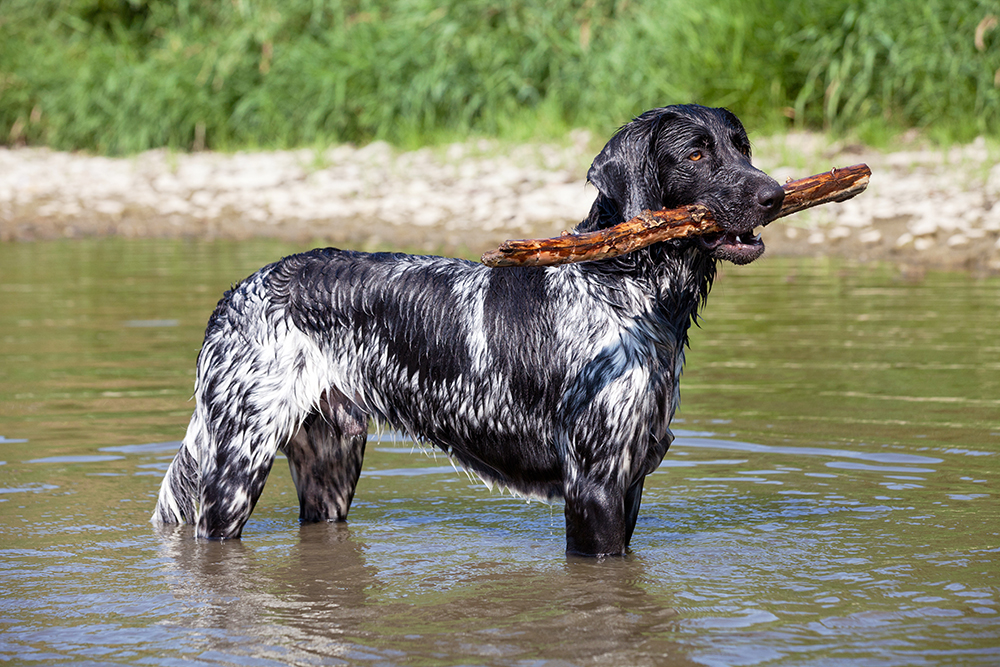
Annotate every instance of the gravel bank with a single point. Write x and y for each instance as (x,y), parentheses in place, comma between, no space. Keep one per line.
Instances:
(924,207)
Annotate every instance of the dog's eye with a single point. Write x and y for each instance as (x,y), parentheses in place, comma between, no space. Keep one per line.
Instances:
(695,156)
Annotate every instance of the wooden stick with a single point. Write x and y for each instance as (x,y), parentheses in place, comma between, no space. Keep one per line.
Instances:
(651,227)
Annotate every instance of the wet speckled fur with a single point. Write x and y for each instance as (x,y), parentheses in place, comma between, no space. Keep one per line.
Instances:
(552,382)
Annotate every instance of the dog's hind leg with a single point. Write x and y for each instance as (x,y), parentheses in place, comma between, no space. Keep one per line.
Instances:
(254,388)
(212,483)
(177,502)
(230,490)
(325,456)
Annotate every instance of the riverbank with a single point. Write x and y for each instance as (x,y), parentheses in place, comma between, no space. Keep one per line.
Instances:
(925,207)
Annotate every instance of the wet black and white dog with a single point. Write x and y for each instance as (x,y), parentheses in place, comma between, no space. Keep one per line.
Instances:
(551,381)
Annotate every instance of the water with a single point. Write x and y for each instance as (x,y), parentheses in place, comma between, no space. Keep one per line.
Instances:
(830,499)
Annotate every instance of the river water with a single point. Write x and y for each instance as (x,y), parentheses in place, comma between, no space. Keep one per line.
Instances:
(830,499)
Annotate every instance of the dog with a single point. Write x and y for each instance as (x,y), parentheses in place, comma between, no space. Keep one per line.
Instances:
(554,382)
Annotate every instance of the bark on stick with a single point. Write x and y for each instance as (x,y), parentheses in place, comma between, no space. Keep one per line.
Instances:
(651,227)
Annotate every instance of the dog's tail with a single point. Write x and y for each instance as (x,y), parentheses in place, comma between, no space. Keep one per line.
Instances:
(181,487)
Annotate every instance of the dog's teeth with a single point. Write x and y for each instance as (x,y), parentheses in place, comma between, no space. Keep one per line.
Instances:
(753,239)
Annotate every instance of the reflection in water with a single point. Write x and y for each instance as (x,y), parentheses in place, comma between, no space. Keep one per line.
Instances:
(829,499)
(322,598)
(685,439)
(317,590)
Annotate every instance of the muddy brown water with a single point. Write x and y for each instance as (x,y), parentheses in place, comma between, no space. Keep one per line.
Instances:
(830,499)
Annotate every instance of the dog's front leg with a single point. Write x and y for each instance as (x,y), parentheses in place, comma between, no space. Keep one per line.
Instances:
(633,498)
(595,518)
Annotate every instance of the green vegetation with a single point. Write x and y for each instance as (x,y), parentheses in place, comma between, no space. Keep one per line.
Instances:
(126,75)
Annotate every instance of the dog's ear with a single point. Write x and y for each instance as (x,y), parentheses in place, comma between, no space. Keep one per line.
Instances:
(626,170)
(608,172)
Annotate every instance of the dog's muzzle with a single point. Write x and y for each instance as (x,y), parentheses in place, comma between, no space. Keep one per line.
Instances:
(741,244)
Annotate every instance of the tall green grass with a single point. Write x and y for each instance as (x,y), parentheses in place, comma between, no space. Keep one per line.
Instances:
(120,76)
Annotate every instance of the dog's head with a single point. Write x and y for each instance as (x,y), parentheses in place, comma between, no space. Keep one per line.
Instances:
(687,154)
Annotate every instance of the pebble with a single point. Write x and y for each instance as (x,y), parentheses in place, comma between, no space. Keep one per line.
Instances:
(870,236)
(938,206)
(923,227)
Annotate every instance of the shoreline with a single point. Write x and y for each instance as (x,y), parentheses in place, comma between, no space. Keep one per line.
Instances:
(925,208)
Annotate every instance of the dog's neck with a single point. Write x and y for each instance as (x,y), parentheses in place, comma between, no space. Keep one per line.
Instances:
(677,275)
(684,278)
(677,279)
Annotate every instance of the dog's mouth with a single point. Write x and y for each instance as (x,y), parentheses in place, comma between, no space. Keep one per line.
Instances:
(738,248)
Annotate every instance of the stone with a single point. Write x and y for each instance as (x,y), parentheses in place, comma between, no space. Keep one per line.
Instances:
(923,227)
(475,191)
(870,236)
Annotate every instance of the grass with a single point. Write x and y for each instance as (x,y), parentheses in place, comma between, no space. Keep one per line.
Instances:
(120,76)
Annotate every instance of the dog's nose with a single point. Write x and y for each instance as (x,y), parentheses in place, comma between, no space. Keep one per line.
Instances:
(770,196)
